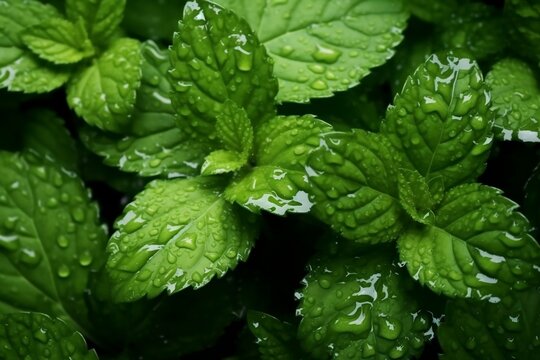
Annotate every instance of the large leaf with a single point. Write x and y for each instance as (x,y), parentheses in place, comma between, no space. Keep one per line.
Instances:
(37,336)
(524,20)
(441,120)
(152,144)
(177,233)
(478,246)
(45,264)
(278,183)
(20,70)
(516,100)
(104,93)
(508,330)
(216,57)
(354,182)
(59,41)
(320,47)
(100,17)
(361,308)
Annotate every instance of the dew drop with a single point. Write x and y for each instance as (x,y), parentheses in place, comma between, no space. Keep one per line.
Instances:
(62,241)
(63,271)
(325,54)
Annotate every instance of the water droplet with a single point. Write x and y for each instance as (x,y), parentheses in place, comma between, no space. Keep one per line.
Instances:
(155,162)
(29,257)
(319,85)
(63,271)
(41,336)
(196,277)
(78,215)
(85,259)
(144,275)
(325,54)
(324,282)
(316,68)
(9,242)
(62,241)
(478,123)
(187,242)
(389,329)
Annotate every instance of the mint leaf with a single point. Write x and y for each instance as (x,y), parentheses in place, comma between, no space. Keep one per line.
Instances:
(278,183)
(222,161)
(44,264)
(361,307)
(276,340)
(177,233)
(354,182)
(104,93)
(216,57)
(441,120)
(475,330)
(415,196)
(101,18)
(59,41)
(320,48)
(523,17)
(434,11)
(34,335)
(20,70)
(516,101)
(478,246)
(234,129)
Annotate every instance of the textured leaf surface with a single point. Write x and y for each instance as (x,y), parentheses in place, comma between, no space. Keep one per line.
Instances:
(478,246)
(433,11)
(322,47)
(177,233)
(216,57)
(524,21)
(44,264)
(38,336)
(361,308)
(354,182)
(415,196)
(20,70)
(234,129)
(516,101)
(152,144)
(222,161)
(507,330)
(441,120)
(100,17)
(276,340)
(278,183)
(59,41)
(104,93)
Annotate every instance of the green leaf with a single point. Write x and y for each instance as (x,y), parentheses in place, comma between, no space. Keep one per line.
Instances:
(441,120)
(354,182)
(508,330)
(104,93)
(215,57)
(20,70)
(59,41)
(34,335)
(278,183)
(44,264)
(159,20)
(101,18)
(222,161)
(234,129)
(177,233)
(434,11)
(524,22)
(516,101)
(361,308)
(478,29)
(415,196)
(152,144)
(320,48)
(276,340)
(478,246)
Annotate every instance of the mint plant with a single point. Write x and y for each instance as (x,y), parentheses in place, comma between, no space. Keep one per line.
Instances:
(269,179)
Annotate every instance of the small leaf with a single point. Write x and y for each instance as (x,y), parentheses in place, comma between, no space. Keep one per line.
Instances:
(278,183)
(441,120)
(59,41)
(234,129)
(177,233)
(361,308)
(152,144)
(319,48)
(47,261)
(101,18)
(507,330)
(354,182)
(415,196)
(222,161)
(33,335)
(276,340)
(104,93)
(516,101)
(215,57)
(478,246)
